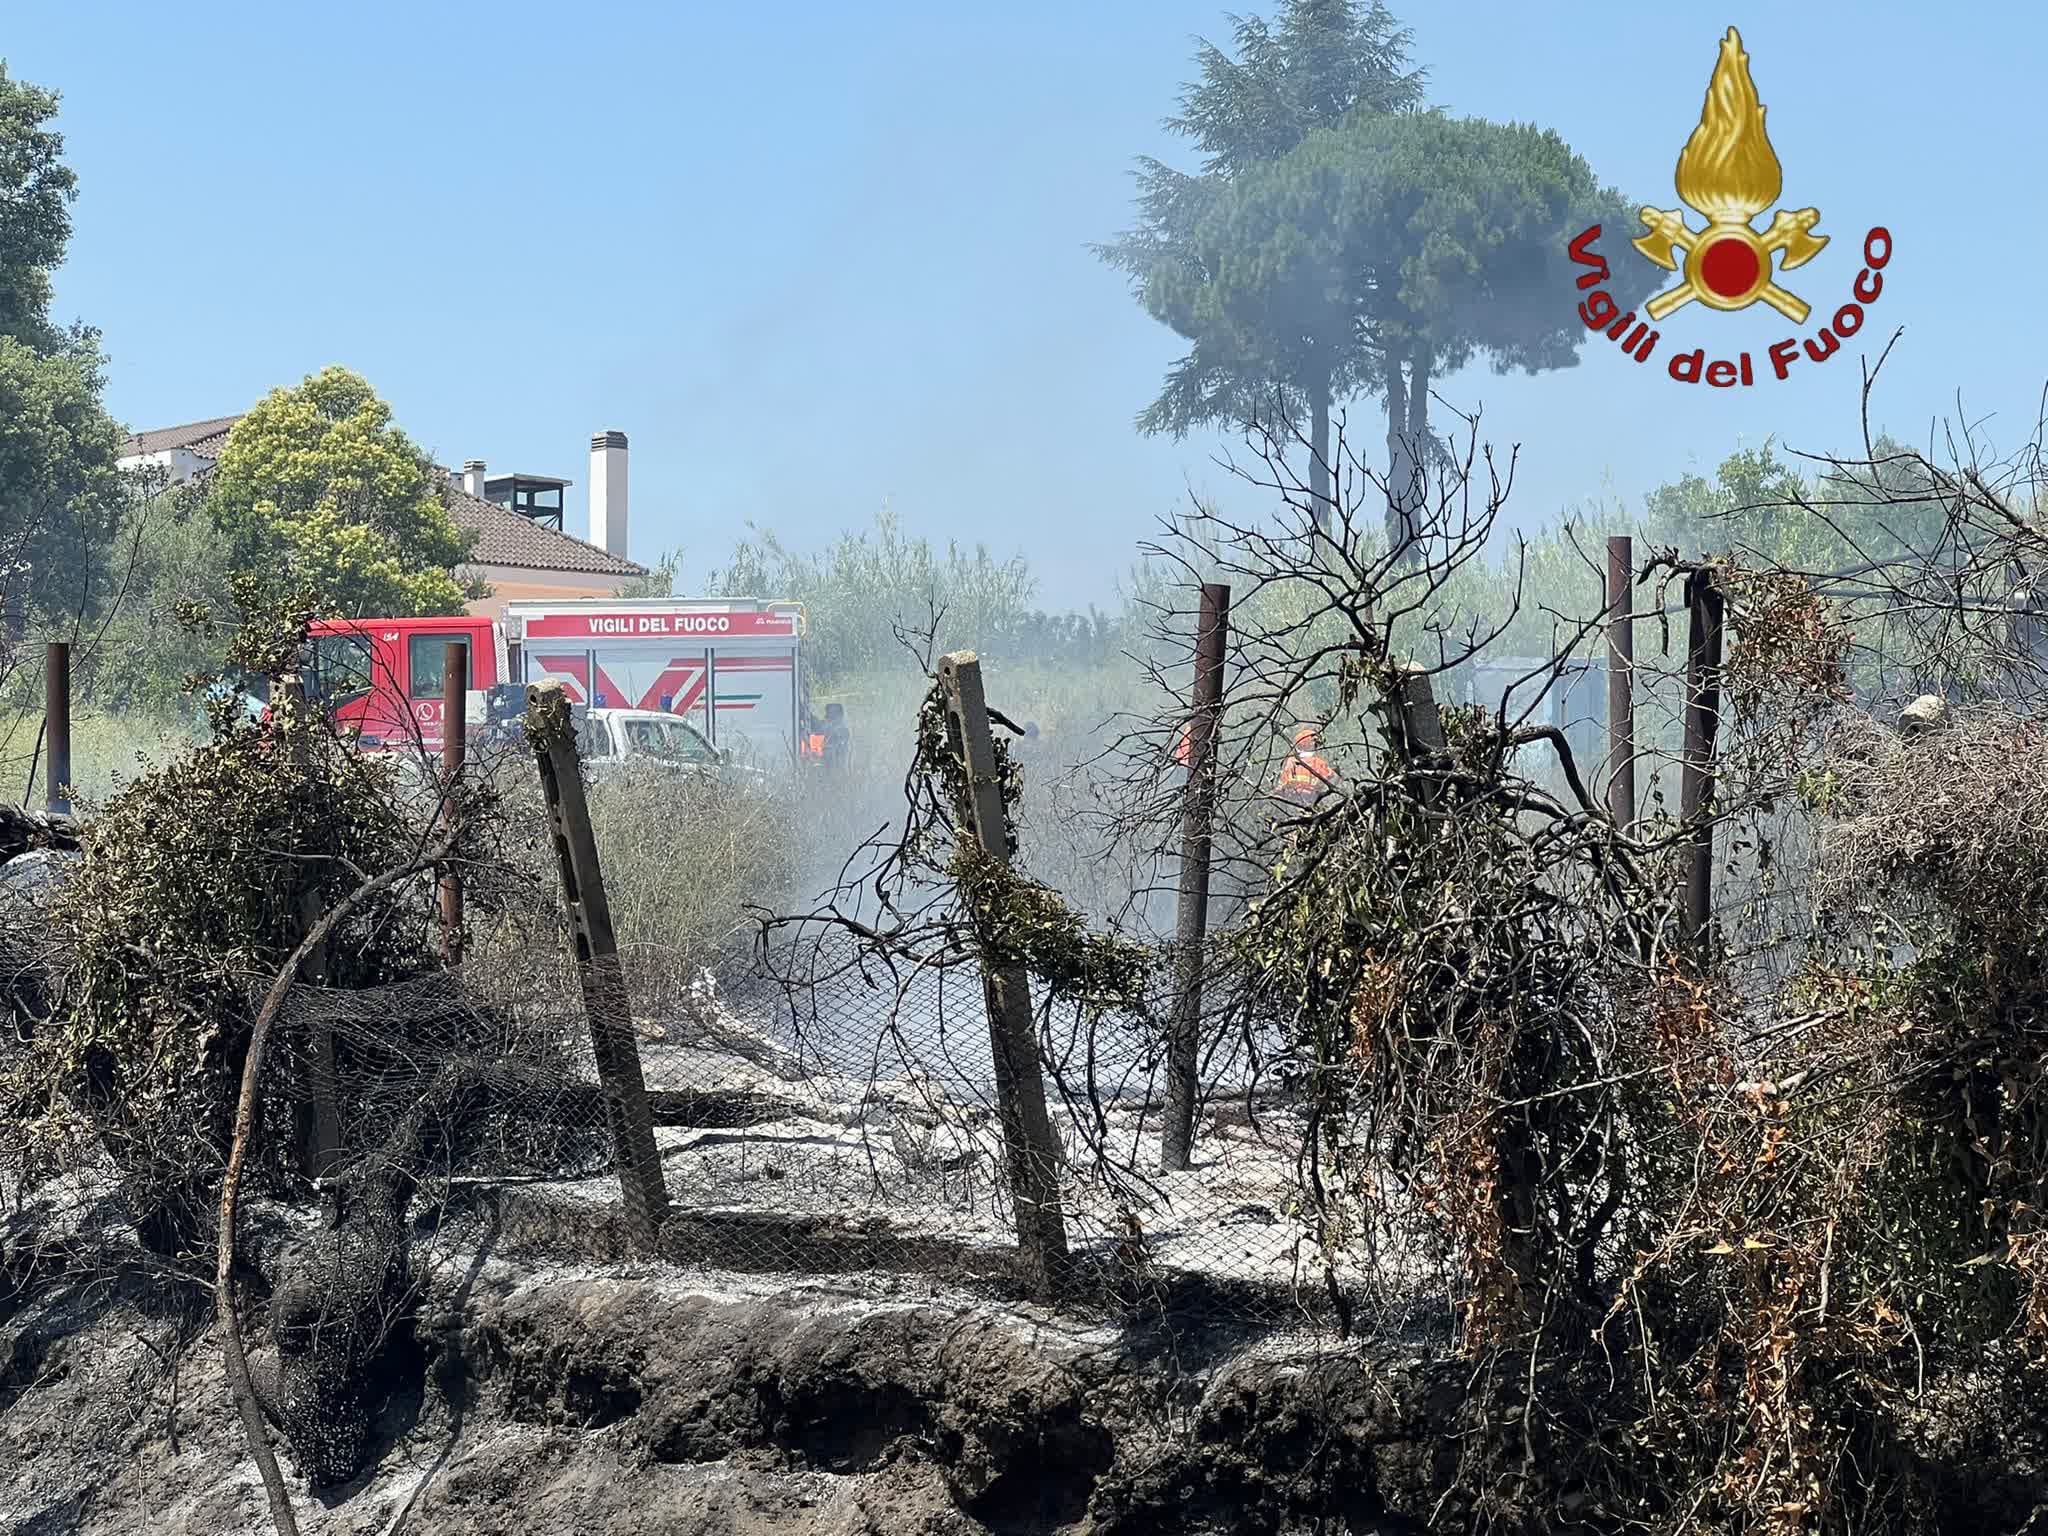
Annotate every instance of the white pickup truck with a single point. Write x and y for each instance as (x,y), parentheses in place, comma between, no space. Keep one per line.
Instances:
(611,740)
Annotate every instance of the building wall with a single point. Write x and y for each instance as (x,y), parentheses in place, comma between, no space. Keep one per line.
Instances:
(182,463)
(509,585)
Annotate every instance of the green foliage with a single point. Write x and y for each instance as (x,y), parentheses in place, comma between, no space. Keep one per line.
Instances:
(36,191)
(167,611)
(61,496)
(1740,507)
(59,490)
(1754,505)
(741,842)
(319,484)
(1260,337)
(1774,513)
(862,588)
(1432,241)
(660,580)
(1446,237)
(1322,61)
(1340,240)
(193,887)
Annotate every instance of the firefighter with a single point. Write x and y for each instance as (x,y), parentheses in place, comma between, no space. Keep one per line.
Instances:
(1306,772)
(836,744)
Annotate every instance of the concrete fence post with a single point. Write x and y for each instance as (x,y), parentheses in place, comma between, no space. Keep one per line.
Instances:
(454,754)
(1621,683)
(57,728)
(1031,1152)
(605,1002)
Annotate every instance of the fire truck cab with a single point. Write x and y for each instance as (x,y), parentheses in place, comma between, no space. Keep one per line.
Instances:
(382,679)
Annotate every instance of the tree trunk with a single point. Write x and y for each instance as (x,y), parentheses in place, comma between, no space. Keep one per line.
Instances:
(1398,535)
(1418,449)
(1319,452)
(1407,454)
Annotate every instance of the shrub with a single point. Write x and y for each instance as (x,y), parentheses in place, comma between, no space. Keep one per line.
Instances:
(195,883)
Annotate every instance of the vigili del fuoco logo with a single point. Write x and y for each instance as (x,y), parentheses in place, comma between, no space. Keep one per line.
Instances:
(1728,174)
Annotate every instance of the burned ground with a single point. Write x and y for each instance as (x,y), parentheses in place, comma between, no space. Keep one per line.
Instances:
(642,1397)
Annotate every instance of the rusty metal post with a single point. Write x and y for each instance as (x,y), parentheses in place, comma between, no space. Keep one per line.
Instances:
(605,1002)
(57,728)
(318,1114)
(1702,719)
(1621,683)
(1183,1047)
(454,751)
(1030,1151)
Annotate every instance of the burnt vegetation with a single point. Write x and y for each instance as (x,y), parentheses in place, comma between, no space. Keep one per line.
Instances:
(1665,1220)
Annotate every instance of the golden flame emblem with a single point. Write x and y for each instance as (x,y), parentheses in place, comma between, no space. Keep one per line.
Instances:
(1729,173)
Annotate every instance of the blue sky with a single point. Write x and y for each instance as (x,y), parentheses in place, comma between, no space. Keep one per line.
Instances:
(813,257)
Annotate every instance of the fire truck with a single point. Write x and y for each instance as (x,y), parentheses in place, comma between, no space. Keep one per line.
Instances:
(731,668)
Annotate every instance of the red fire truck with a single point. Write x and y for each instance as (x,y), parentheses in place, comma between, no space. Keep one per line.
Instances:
(732,668)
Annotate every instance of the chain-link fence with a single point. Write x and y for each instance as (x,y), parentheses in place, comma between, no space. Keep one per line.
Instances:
(883,1091)
(815,1111)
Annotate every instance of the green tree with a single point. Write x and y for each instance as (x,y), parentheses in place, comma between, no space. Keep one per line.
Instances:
(36,192)
(319,486)
(61,493)
(660,580)
(1443,240)
(1263,338)
(1821,521)
(863,587)
(168,602)
(59,488)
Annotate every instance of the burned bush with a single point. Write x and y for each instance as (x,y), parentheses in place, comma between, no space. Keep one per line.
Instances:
(193,884)
(1741,1227)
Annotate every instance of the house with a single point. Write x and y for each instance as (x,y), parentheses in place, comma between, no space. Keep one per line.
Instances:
(520,548)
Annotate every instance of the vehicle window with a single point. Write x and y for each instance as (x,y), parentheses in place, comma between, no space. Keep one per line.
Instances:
(339,668)
(688,744)
(592,740)
(426,656)
(643,735)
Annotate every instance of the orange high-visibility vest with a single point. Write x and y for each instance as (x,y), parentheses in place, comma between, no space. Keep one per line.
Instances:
(814,745)
(1304,774)
(1185,745)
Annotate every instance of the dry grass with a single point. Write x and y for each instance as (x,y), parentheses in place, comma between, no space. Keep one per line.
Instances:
(106,750)
(1955,815)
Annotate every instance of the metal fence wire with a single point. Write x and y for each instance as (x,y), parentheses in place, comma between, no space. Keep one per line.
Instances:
(845,1122)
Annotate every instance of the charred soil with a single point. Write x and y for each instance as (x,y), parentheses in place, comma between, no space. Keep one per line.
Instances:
(550,1399)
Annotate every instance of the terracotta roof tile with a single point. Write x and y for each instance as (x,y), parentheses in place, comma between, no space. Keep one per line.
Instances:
(503,537)
(211,433)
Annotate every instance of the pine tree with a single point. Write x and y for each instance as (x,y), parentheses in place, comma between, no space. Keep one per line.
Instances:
(1319,62)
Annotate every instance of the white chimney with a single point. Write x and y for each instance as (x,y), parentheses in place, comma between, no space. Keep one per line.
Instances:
(473,478)
(608,492)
